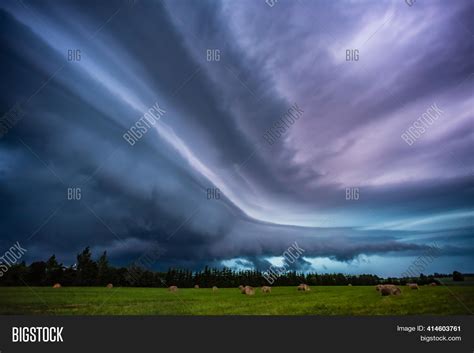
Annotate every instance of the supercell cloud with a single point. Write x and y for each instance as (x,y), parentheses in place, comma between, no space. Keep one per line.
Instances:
(304,142)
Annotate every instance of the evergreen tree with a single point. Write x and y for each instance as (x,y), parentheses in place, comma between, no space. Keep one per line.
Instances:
(457,276)
(37,273)
(86,269)
(103,270)
(53,271)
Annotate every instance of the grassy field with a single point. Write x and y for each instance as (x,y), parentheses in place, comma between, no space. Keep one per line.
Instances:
(332,300)
(468,281)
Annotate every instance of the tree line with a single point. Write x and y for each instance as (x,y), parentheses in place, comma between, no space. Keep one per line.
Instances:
(90,272)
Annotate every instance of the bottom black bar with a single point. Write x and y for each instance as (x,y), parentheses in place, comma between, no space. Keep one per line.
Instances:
(279,334)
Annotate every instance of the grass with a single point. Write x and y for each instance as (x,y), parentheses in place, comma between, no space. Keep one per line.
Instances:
(329,300)
(468,281)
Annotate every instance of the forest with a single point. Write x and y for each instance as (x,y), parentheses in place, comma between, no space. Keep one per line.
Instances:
(90,272)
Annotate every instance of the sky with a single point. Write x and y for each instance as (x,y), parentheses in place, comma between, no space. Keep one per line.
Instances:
(297,113)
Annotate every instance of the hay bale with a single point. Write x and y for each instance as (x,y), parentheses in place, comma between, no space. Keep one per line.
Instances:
(249,290)
(214,289)
(433,284)
(57,285)
(266,289)
(412,285)
(396,291)
(349,285)
(110,285)
(389,289)
(378,287)
(304,287)
(173,289)
(196,286)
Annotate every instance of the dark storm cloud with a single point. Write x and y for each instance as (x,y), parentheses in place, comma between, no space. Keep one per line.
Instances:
(134,55)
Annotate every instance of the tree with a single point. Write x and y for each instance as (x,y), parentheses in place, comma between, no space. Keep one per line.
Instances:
(457,276)
(86,268)
(37,273)
(104,273)
(53,271)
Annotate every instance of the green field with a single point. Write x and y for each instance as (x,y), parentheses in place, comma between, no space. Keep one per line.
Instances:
(468,281)
(330,300)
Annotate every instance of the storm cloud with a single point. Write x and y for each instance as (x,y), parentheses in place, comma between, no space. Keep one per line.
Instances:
(338,178)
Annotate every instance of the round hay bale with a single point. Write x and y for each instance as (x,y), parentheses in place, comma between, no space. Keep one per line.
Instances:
(196,286)
(173,289)
(249,290)
(413,286)
(349,285)
(303,287)
(433,284)
(266,289)
(389,289)
(110,285)
(396,291)
(378,287)
(214,288)
(57,285)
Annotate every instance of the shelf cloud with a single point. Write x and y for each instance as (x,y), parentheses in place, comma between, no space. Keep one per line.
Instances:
(268,125)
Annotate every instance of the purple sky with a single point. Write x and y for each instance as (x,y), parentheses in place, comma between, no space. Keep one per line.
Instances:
(134,55)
